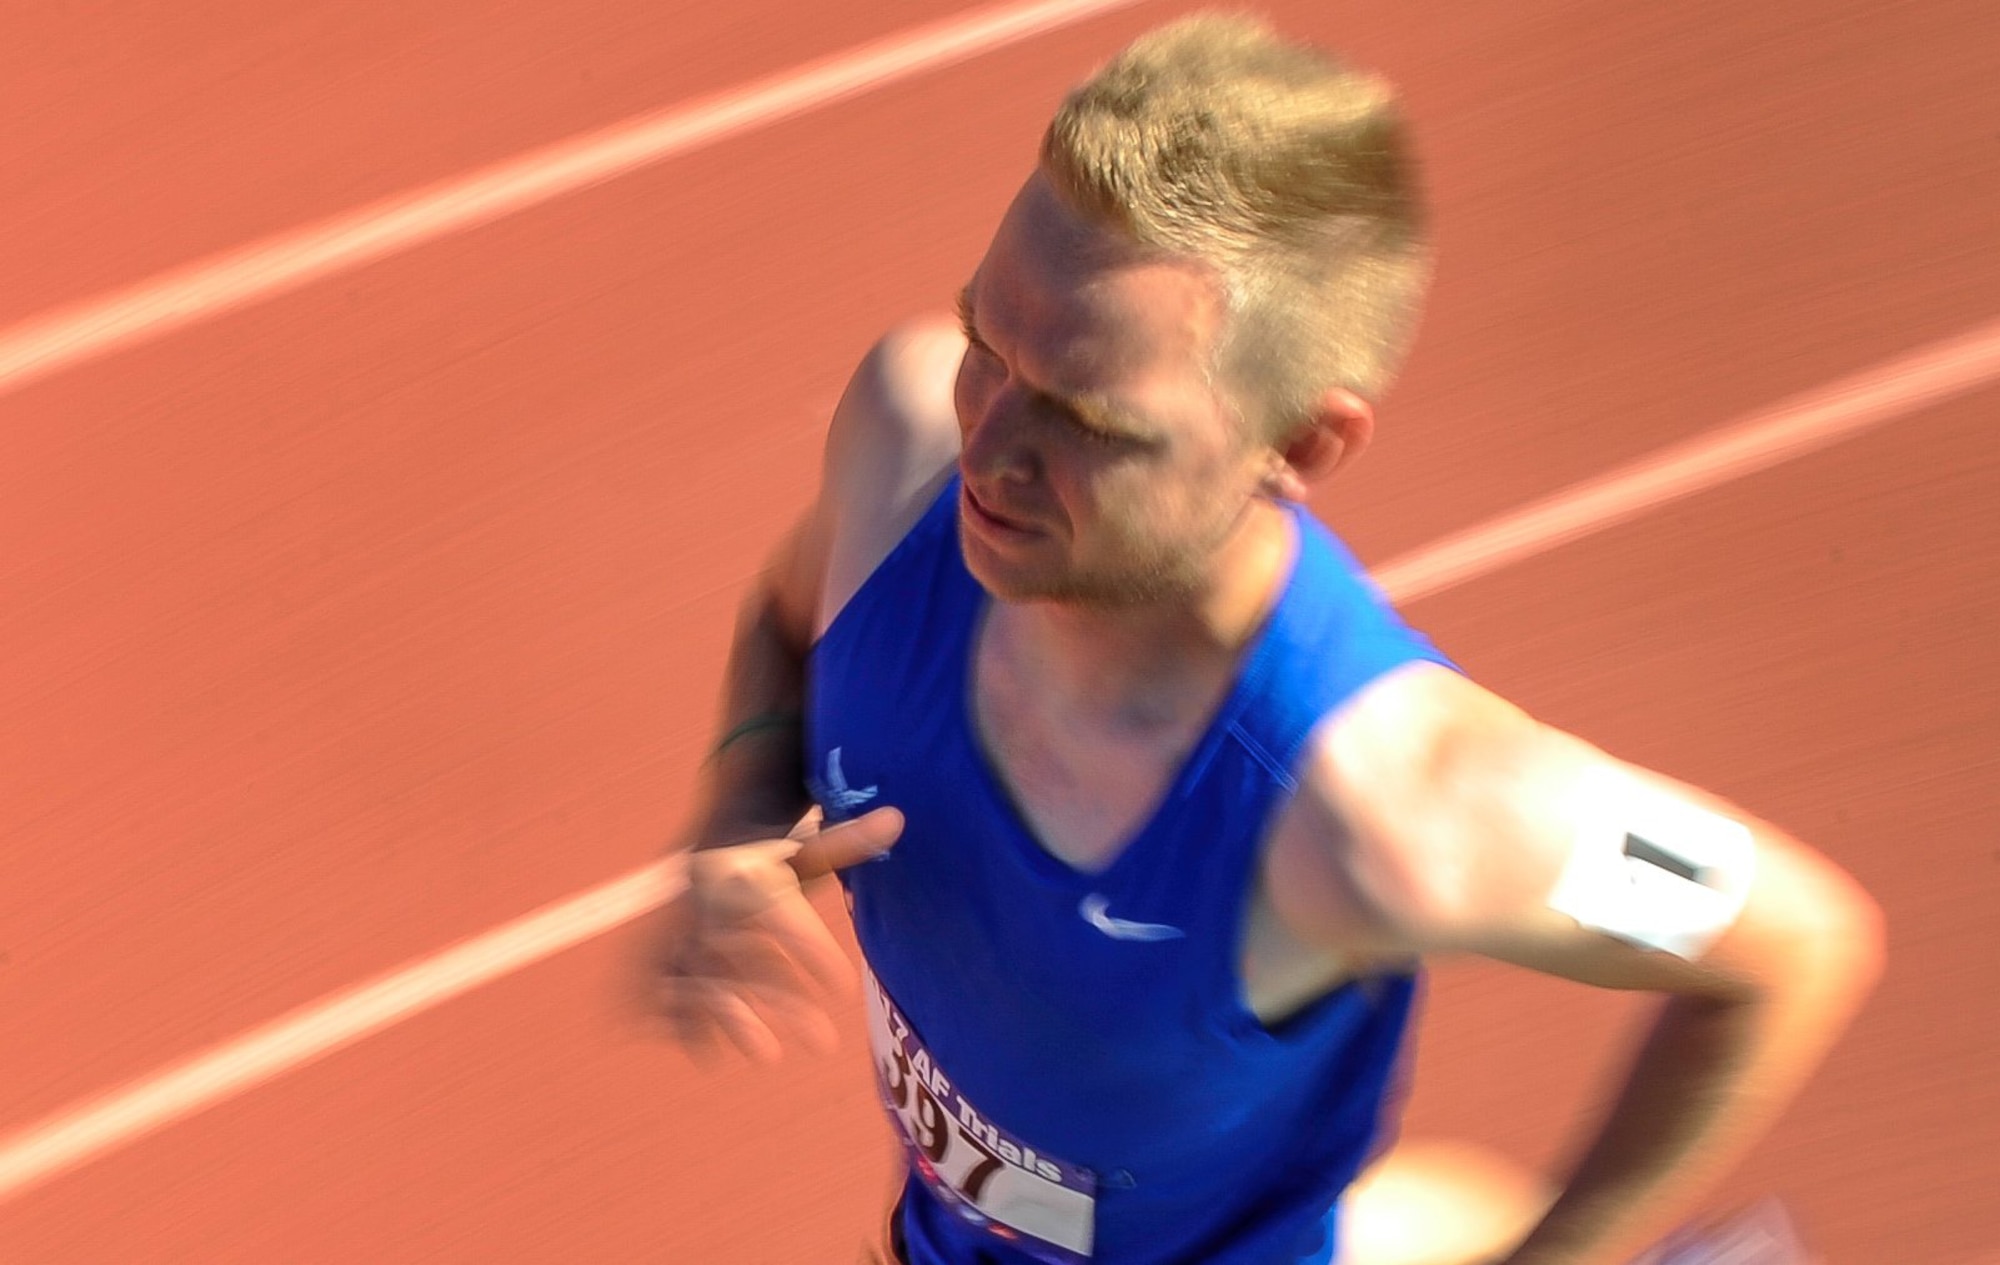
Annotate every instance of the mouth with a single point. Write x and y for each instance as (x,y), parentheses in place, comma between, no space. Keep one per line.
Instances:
(995,524)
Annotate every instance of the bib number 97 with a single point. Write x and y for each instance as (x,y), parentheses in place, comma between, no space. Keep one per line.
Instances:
(931,1129)
(985,1174)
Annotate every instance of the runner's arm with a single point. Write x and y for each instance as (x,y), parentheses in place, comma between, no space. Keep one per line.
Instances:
(1462,823)
(890,432)
(754,787)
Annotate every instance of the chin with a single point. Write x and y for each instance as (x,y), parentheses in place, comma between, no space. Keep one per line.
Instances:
(1004,578)
(1016,583)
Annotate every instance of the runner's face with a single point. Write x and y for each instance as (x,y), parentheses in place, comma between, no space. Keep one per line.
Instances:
(1102,465)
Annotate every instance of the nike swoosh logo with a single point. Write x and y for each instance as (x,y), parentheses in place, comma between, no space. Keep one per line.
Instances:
(1093,907)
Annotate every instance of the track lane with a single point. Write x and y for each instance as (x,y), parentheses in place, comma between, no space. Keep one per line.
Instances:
(538,1112)
(342,614)
(185,830)
(1815,642)
(149,134)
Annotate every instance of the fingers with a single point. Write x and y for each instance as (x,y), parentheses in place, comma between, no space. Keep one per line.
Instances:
(748,894)
(703,1012)
(848,843)
(750,964)
(807,826)
(714,1005)
(741,881)
(759,1020)
(796,927)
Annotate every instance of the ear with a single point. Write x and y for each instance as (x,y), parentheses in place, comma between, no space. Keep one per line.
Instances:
(1336,432)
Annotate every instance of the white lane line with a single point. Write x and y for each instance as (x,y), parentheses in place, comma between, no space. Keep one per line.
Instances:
(83,1133)
(1791,428)
(79,1134)
(222,283)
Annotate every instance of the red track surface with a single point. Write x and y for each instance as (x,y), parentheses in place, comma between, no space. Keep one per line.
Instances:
(355,622)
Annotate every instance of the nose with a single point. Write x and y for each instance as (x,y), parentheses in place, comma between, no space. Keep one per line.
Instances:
(994,443)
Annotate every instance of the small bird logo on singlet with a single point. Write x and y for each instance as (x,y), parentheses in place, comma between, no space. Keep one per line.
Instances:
(1093,908)
(834,792)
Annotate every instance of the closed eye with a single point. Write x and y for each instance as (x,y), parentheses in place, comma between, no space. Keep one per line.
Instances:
(1103,424)
(1092,434)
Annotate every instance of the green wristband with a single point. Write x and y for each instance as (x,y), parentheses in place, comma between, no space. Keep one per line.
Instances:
(757,724)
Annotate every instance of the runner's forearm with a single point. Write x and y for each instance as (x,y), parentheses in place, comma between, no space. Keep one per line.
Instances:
(1708,1082)
(754,786)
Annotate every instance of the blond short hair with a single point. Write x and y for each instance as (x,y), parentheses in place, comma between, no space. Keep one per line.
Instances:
(1287,172)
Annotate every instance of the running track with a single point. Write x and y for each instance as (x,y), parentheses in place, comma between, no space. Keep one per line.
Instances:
(346,621)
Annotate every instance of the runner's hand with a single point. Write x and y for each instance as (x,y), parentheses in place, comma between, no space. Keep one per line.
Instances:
(747,959)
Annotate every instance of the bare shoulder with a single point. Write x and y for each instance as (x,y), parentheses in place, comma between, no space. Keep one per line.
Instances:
(1436,817)
(1445,812)
(891,445)
(1350,853)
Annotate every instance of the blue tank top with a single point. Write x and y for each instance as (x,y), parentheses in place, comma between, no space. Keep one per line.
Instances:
(1068,1056)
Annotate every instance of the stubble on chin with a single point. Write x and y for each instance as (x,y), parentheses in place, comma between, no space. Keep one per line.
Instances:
(1137,580)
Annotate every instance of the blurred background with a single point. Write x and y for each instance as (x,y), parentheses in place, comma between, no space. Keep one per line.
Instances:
(360,593)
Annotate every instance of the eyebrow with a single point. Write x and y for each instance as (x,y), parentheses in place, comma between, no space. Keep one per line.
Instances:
(1094,409)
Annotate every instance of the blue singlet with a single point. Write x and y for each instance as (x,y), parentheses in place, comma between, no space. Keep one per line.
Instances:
(1068,1055)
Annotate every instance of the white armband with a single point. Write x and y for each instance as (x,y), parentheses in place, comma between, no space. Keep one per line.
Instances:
(1651,868)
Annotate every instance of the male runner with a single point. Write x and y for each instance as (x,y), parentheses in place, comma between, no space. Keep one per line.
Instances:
(1146,805)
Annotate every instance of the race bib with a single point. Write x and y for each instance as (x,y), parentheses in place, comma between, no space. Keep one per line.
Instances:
(988,1176)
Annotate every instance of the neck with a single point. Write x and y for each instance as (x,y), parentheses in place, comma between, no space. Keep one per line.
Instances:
(1151,666)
